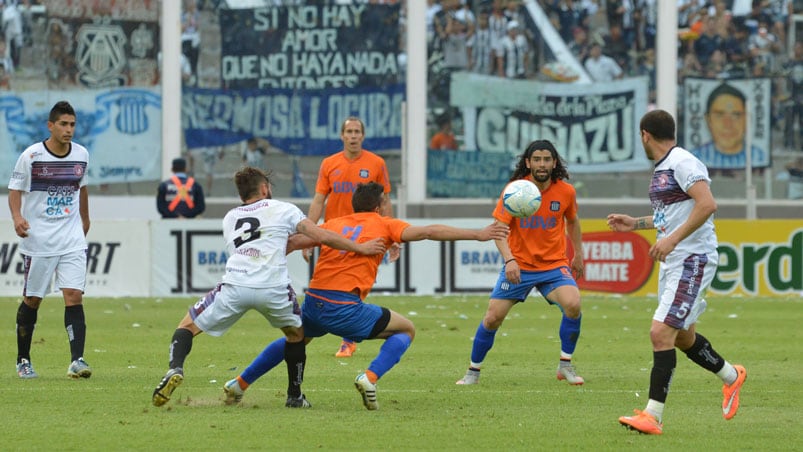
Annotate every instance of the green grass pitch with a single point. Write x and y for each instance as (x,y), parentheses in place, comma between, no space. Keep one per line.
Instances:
(518,405)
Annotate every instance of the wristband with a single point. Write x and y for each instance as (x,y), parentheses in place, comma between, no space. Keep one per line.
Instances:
(509,261)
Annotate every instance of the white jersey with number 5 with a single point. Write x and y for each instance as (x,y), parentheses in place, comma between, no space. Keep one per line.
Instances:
(50,200)
(256,240)
(671,205)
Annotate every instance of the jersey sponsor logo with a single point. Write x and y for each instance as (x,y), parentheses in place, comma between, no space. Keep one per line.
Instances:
(615,262)
(538,222)
(343,187)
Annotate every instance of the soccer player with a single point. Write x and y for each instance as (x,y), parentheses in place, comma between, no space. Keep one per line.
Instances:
(256,278)
(338,176)
(534,256)
(335,301)
(49,205)
(686,248)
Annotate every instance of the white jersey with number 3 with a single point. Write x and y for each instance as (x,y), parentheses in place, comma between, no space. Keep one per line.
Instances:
(51,203)
(256,240)
(671,205)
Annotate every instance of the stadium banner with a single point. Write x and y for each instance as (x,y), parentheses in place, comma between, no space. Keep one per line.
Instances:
(187,258)
(121,128)
(292,74)
(297,122)
(593,126)
(718,116)
(767,262)
(116,260)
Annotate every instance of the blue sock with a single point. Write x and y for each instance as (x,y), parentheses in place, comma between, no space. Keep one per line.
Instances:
(483,341)
(569,333)
(390,353)
(267,360)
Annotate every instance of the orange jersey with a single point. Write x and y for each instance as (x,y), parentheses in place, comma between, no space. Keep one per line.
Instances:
(351,272)
(443,142)
(339,176)
(538,242)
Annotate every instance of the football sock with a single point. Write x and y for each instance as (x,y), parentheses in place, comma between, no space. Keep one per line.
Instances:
(390,353)
(728,373)
(270,357)
(180,347)
(656,409)
(26,321)
(242,383)
(348,341)
(569,333)
(703,355)
(295,355)
(75,324)
(483,341)
(663,367)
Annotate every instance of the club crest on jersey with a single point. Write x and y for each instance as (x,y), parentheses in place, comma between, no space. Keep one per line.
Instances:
(78,170)
(364,173)
(554,206)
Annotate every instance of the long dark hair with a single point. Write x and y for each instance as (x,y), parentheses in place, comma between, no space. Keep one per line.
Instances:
(521,171)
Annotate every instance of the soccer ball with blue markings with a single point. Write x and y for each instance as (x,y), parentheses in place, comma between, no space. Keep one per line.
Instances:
(521,198)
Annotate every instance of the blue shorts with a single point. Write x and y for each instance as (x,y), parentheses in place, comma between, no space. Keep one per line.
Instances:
(339,313)
(545,282)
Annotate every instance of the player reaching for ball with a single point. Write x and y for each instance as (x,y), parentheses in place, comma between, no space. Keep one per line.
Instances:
(534,257)
(256,235)
(334,302)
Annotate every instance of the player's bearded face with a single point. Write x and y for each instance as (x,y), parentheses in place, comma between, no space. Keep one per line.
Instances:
(541,165)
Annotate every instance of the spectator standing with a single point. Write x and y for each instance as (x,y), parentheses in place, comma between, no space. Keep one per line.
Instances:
(708,42)
(191,34)
(180,196)
(515,53)
(443,139)
(601,68)
(12,28)
(254,152)
(579,44)
(480,47)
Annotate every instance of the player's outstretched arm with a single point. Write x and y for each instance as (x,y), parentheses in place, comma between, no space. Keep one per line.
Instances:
(329,238)
(622,223)
(441,232)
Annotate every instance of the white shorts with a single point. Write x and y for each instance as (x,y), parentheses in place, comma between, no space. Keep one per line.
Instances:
(224,305)
(69,270)
(682,283)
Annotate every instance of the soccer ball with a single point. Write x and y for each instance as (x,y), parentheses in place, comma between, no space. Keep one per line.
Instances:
(521,198)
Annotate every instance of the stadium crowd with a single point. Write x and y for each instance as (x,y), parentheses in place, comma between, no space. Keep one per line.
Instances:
(721,39)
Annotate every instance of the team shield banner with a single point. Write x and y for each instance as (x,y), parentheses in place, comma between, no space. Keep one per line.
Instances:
(121,128)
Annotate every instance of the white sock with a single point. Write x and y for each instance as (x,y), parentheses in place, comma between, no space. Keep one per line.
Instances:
(728,373)
(565,356)
(475,365)
(656,409)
